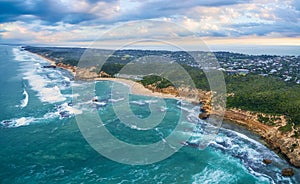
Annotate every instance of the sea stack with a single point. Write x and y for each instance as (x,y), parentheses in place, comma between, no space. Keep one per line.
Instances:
(267,161)
(203,115)
(287,172)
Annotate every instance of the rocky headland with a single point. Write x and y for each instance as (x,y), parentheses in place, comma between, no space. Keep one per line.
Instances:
(283,143)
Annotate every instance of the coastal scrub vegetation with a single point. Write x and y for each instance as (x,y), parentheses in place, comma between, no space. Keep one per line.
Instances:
(254,93)
(266,95)
(157,81)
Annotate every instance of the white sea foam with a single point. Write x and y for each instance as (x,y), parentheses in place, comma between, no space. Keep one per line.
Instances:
(264,177)
(63,111)
(24,101)
(17,122)
(116,100)
(37,78)
(67,79)
(139,102)
(243,136)
(163,109)
(251,153)
(100,103)
(185,109)
(46,94)
(151,101)
(74,95)
(48,87)
(240,146)
(19,56)
(71,110)
(208,176)
(23,121)
(75,84)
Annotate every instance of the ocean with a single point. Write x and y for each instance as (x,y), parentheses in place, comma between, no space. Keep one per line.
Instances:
(42,141)
(280,50)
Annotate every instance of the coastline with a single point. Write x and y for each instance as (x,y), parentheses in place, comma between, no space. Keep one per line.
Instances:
(137,88)
(69,68)
(275,140)
(281,143)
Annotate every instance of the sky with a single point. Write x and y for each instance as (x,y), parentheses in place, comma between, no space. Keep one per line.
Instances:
(80,22)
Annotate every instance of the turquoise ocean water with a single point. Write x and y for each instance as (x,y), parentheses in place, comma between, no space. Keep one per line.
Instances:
(41,142)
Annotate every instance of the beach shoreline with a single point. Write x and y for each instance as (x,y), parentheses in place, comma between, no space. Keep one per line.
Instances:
(138,89)
(269,135)
(69,68)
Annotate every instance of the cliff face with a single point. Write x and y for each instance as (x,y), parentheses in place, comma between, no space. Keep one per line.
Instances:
(169,90)
(193,95)
(89,73)
(284,143)
(66,66)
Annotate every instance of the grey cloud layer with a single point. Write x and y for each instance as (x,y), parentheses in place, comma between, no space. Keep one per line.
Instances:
(50,11)
(253,16)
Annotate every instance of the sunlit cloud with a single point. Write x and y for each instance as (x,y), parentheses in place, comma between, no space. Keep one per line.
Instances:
(82,21)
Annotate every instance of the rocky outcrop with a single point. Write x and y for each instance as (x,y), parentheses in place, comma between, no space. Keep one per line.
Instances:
(247,120)
(267,161)
(287,172)
(66,66)
(104,74)
(86,73)
(49,66)
(284,143)
(90,73)
(168,90)
(203,115)
(191,95)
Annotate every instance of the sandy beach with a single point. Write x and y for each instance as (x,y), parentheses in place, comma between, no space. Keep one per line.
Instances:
(137,88)
(45,58)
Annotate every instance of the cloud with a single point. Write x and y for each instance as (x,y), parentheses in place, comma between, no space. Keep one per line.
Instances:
(35,32)
(52,11)
(83,20)
(155,9)
(281,28)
